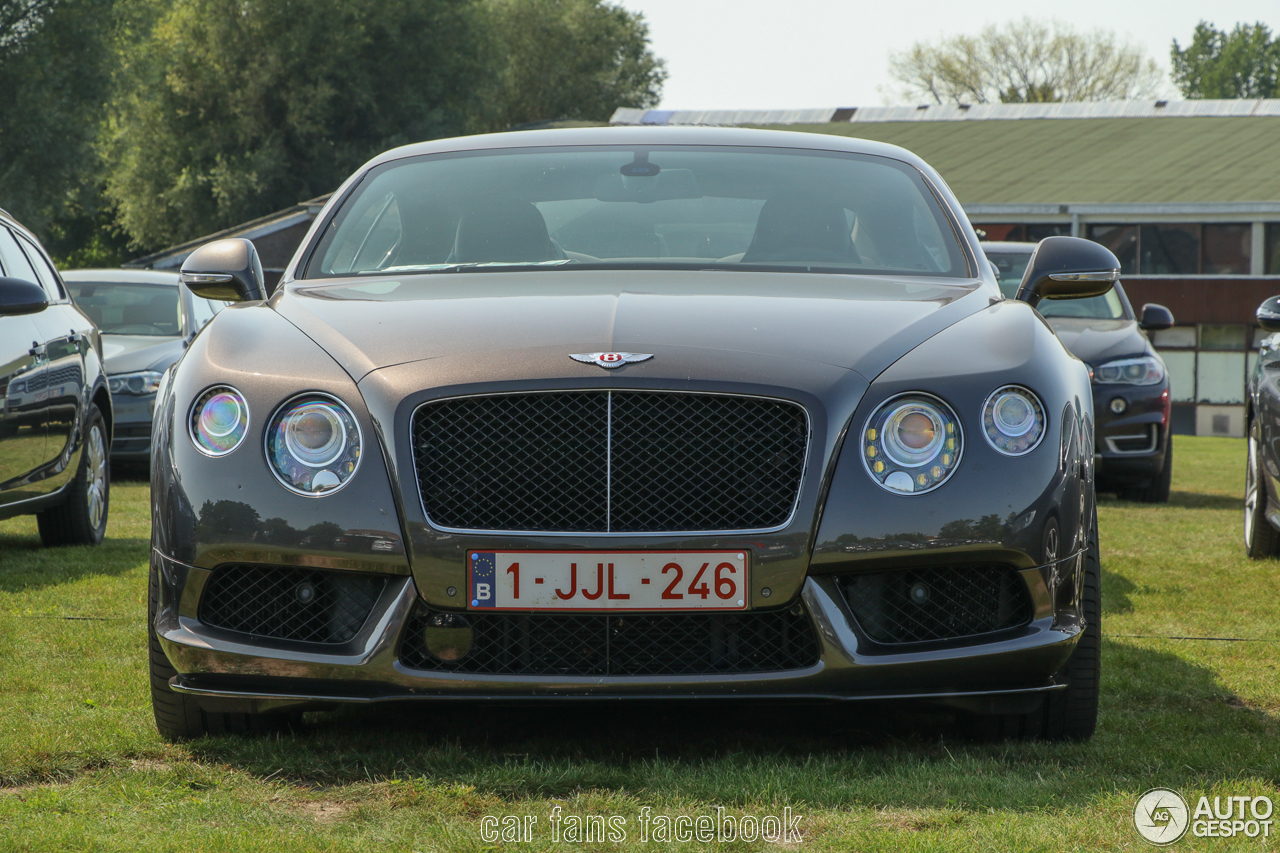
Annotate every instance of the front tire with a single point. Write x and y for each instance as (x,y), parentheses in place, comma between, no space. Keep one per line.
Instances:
(81,519)
(1070,713)
(1261,540)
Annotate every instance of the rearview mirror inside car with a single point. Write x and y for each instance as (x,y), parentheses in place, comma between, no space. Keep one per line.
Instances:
(18,296)
(1068,268)
(639,187)
(1155,317)
(228,270)
(1269,314)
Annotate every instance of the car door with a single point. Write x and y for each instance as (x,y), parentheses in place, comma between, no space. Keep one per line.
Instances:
(22,433)
(65,333)
(22,415)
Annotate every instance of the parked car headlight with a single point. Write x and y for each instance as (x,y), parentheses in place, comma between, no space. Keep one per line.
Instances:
(219,420)
(313,444)
(912,444)
(139,384)
(1146,370)
(1013,420)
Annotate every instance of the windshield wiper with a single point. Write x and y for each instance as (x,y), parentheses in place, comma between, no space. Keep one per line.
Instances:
(470,265)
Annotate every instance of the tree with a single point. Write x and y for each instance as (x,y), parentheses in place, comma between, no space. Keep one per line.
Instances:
(1024,62)
(1244,63)
(229,109)
(55,60)
(567,59)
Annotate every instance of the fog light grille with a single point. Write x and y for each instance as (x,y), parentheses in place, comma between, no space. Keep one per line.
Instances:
(622,644)
(924,605)
(287,603)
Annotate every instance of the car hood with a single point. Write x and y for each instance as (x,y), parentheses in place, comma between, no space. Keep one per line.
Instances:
(129,353)
(1096,341)
(863,323)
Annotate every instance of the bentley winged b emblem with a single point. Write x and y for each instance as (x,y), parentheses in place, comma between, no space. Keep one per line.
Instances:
(610,360)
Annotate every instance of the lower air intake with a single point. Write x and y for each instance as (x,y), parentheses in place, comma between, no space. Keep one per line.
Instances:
(613,644)
(286,603)
(927,605)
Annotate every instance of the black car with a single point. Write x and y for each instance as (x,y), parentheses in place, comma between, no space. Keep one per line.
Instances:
(146,319)
(1130,382)
(627,413)
(55,407)
(1262,426)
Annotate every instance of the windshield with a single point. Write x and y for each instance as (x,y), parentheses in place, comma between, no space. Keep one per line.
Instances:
(129,309)
(1009,268)
(660,206)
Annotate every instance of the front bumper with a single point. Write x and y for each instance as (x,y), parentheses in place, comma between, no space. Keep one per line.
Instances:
(1130,446)
(228,671)
(131,428)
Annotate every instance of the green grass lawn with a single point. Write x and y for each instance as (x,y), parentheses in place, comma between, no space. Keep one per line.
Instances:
(81,766)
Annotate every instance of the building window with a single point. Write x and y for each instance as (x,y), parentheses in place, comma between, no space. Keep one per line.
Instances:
(1178,248)
(1227,249)
(1272,256)
(1169,249)
(1122,240)
(1224,336)
(1022,233)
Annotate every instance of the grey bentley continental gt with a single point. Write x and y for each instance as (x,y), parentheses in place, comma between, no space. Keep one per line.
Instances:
(630,413)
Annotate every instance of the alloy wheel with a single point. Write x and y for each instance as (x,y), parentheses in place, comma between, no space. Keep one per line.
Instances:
(96,487)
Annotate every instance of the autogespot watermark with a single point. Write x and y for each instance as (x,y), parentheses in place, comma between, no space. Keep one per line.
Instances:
(1162,816)
(642,828)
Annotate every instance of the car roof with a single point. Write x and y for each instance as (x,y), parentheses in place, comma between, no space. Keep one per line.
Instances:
(633,136)
(117,276)
(1007,248)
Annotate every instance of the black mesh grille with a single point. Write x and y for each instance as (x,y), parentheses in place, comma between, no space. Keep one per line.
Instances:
(306,605)
(923,605)
(600,461)
(621,644)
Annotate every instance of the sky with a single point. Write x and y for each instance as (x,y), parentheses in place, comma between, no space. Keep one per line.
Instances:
(795,54)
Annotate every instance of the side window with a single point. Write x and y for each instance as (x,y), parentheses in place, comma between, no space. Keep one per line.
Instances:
(13,260)
(202,311)
(44,269)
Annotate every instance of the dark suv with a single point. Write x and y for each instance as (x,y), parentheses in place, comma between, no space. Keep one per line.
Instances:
(55,406)
(1130,383)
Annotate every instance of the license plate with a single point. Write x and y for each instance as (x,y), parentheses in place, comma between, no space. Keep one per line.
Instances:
(608,580)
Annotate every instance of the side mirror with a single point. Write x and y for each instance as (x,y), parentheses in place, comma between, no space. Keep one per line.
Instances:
(1068,268)
(1155,317)
(228,270)
(21,297)
(1269,314)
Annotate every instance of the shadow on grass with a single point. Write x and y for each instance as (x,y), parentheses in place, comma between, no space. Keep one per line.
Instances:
(1185,500)
(1115,593)
(1164,722)
(27,565)
(1196,500)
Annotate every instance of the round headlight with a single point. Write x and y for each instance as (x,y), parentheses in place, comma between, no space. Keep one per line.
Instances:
(912,444)
(219,420)
(1013,420)
(313,444)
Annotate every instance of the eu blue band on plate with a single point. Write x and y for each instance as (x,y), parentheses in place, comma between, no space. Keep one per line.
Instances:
(483,568)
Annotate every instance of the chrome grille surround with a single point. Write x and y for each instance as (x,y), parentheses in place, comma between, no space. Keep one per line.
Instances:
(591,472)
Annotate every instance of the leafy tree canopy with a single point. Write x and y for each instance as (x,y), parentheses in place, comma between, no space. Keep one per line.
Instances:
(231,109)
(1026,61)
(234,108)
(567,59)
(55,60)
(1243,63)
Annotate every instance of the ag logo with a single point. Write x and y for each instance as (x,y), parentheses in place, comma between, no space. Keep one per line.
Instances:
(1161,816)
